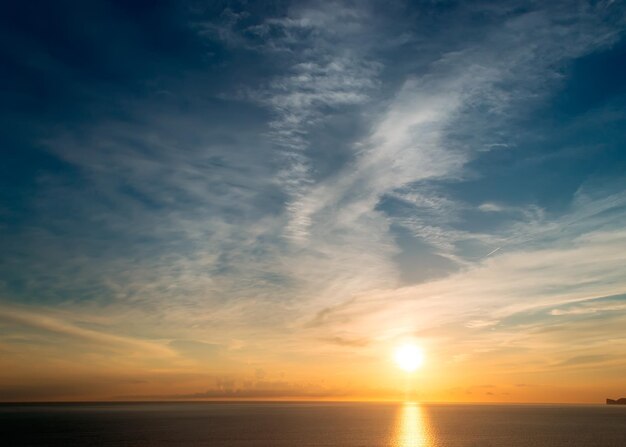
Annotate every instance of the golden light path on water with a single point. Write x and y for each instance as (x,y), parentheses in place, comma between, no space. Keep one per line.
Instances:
(412,428)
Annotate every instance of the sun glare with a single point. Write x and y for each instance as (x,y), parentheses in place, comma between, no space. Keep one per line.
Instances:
(409,357)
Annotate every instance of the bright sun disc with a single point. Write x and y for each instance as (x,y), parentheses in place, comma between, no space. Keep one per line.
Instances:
(409,357)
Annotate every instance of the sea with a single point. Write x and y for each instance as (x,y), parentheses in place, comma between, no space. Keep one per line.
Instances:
(248,424)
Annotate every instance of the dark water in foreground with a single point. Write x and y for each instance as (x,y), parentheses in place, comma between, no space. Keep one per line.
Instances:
(311,424)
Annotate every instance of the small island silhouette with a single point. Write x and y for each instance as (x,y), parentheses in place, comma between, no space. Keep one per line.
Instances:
(620,401)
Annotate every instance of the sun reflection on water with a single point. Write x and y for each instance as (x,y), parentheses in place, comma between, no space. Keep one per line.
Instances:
(412,428)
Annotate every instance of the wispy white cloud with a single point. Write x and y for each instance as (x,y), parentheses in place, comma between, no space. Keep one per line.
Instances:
(344,246)
(590,307)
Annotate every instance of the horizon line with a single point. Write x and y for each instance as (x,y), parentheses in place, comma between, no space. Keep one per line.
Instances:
(288,400)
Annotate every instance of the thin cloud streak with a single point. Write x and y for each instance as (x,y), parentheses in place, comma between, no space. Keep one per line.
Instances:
(56,325)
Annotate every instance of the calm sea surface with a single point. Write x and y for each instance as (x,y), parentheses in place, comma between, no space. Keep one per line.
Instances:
(306,424)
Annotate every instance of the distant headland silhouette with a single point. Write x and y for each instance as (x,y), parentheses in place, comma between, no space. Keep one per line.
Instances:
(620,401)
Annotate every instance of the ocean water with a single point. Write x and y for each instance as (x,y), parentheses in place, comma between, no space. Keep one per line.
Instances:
(311,424)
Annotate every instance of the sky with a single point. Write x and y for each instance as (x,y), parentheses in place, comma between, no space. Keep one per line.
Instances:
(261,200)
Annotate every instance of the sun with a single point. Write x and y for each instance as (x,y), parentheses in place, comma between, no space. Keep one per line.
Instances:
(409,357)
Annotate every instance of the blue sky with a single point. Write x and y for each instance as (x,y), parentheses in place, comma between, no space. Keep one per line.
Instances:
(274,178)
